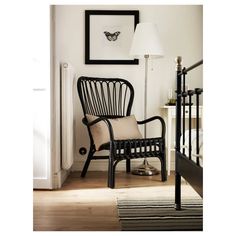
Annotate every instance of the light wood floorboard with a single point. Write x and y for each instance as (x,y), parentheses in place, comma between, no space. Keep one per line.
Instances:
(86,204)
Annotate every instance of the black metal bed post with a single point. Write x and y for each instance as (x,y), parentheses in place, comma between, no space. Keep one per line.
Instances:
(197,126)
(184,95)
(198,92)
(178,133)
(190,94)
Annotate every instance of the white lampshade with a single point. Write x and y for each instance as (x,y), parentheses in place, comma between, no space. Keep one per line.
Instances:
(146,41)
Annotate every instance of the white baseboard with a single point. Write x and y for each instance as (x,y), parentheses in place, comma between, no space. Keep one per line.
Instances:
(59,178)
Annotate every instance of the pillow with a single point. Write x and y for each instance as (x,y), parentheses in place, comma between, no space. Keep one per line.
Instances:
(123,128)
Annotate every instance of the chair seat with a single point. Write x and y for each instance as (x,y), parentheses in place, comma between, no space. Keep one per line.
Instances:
(135,148)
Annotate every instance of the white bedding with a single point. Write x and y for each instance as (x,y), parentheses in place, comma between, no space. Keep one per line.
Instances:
(193,143)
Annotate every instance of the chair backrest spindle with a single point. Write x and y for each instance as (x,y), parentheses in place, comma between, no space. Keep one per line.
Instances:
(105,97)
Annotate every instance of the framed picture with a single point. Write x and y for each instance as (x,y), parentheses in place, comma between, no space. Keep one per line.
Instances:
(108,36)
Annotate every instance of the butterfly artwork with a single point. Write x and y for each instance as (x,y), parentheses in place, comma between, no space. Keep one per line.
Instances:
(110,36)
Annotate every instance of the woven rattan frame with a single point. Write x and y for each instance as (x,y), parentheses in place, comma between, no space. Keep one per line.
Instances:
(110,98)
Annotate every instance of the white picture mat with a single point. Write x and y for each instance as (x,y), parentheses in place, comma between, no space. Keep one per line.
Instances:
(103,49)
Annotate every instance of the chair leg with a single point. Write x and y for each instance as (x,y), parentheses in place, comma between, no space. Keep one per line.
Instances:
(128,165)
(163,169)
(111,172)
(86,165)
(111,178)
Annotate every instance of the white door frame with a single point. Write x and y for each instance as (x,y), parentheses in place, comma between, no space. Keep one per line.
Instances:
(42,92)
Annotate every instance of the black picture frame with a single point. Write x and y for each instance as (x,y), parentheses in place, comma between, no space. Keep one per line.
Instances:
(111,37)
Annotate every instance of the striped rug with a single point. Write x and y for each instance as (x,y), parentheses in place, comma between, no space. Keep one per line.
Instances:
(160,215)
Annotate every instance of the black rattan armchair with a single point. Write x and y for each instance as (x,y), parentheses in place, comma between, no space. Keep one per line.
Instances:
(109,99)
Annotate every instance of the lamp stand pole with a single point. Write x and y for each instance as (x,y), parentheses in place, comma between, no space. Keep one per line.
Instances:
(145,169)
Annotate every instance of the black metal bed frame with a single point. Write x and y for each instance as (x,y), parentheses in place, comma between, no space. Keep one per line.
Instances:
(185,167)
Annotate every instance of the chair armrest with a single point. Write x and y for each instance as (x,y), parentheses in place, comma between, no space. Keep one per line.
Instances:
(107,122)
(163,131)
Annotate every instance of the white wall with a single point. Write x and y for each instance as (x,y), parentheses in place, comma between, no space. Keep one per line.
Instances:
(180,28)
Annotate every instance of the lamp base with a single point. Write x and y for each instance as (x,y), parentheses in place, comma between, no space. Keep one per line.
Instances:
(145,169)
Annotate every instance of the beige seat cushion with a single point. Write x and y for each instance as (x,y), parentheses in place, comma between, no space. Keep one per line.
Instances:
(123,128)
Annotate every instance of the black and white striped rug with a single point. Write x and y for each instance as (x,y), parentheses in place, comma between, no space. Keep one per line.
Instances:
(160,215)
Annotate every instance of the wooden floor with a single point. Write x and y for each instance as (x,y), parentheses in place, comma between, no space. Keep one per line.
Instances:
(86,204)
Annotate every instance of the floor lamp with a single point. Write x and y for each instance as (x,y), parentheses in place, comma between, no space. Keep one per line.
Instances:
(146,45)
